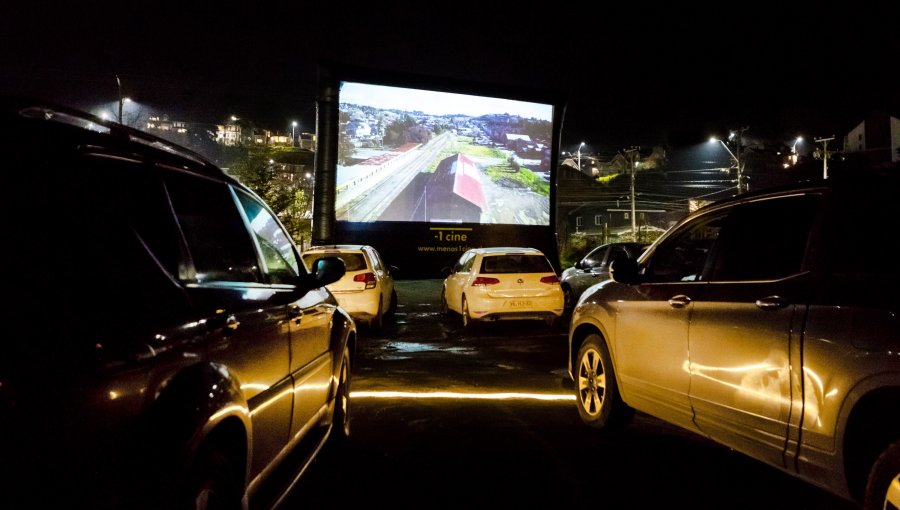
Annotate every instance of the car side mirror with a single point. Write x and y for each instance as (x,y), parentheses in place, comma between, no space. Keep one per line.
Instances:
(625,271)
(578,265)
(446,271)
(393,270)
(328,270)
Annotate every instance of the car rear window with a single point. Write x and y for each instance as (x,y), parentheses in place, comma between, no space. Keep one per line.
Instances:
(352,261)
(516,263)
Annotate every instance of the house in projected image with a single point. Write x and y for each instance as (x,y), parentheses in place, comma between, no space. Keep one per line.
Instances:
(454,193)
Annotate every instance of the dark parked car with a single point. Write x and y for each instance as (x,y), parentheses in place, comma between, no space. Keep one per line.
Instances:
(163,345)
(594,268)
(760,323)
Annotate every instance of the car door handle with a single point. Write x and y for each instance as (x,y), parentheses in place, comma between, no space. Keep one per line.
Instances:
(771,303)
(296,313)
(230,325)
(679,301)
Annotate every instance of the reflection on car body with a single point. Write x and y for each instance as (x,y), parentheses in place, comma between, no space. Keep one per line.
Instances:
(754,323)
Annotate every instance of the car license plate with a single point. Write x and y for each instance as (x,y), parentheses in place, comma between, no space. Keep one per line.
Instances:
(518,303)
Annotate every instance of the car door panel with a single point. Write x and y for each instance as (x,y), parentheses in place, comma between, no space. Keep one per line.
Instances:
(746,372)
(743,387)
(652,350)
(311,359)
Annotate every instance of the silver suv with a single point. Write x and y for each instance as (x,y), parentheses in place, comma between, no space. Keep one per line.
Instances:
(767,324)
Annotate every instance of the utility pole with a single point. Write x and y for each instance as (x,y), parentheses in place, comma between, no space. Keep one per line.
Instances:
(824,142)
(630,152)
(740,164)
(121,98)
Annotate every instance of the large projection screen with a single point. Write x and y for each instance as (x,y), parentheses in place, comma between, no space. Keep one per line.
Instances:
(424,169)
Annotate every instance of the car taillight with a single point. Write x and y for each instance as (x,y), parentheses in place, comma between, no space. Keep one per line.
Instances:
(483,280)
(550,279)
(367,278)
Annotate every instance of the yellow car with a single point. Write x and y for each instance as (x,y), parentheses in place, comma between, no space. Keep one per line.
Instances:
(366,291)
(503,283)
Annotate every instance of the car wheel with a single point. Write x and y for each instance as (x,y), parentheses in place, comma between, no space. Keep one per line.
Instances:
(467,321)
(883,488)
(211,483)
(598,400)
(376,321)
(568,299)
(341,420)
(444,308)
(392,308)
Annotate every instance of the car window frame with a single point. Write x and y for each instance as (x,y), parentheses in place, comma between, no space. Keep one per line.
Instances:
(731,231)
(262,261)
(647,262)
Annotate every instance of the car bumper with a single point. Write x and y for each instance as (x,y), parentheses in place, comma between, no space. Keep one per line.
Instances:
(494,309)
(360,304)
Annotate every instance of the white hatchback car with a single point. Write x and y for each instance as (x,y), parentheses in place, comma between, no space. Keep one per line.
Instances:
(490,284)
(366,291)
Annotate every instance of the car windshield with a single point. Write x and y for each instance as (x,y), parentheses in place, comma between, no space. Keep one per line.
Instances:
(352,261)
(515,263)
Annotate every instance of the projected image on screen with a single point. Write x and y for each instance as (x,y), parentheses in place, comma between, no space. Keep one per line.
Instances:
(429,156)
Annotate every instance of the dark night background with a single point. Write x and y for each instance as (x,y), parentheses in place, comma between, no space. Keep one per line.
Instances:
(633,73)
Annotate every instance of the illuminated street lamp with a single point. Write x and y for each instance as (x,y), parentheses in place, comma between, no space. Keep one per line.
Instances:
(794,156)
(293,127)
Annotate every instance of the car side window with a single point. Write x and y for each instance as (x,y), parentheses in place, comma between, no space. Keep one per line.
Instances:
(376,261)
(275,244)
(464,263)
(682,257)
(594,258)
(467,265)
(219,243)
(765,240)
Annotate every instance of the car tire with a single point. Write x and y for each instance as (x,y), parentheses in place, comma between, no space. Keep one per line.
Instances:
(883,487)
(392,308)
(211,482)
(568,299)
(596,391)
(445,309)
(376,321)
(467,321)
(340,423)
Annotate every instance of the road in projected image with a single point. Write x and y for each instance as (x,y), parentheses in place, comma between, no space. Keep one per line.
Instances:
(436,182)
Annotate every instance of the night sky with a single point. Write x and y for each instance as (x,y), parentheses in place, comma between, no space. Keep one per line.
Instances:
(632,75)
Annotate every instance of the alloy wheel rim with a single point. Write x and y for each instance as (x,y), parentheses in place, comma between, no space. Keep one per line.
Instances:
(892,496)
(591,382)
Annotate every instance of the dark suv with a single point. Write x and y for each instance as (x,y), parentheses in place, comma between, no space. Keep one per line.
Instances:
(163,346)
(765,323)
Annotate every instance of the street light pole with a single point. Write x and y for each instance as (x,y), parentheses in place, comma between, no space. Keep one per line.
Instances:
(579,155)
(735,156)
(293,126)
(794,156)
